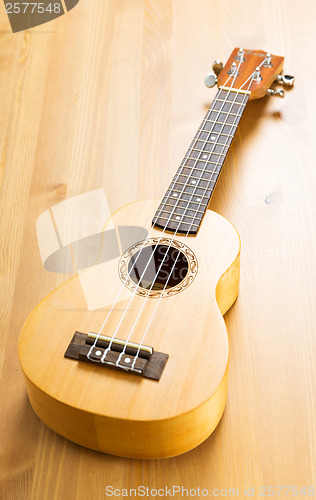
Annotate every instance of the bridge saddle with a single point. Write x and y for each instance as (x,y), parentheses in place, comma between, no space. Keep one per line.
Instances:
(117,354)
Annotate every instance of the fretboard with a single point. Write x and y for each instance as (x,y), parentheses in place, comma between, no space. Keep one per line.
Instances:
(185,202)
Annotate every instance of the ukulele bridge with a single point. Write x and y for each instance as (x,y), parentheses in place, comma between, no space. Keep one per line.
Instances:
(118,354)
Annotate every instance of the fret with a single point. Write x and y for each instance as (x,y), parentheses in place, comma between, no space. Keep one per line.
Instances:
(200,183)
(224,113)
(198,195)
(187,188)
(188,197)
(220,123)
(231,93)
(188,170)
(190,191)
(191,213)
(214,132)
(199,159)
(169,205)
(193,176)
(185,201)
(217,99)
(192,201)
(214,143)
(203,151)
(221,129)
(200,169)
(208,135)
(227,116)
(230,107)
(199,202)
(179,215)
(236,91)
(219,133)
(176,221)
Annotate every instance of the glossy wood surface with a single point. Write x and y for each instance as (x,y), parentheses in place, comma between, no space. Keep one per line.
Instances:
(121,413)
(245,80)
(109,96)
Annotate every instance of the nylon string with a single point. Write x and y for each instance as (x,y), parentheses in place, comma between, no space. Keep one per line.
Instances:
(144,244)
(161,209)
(174,235)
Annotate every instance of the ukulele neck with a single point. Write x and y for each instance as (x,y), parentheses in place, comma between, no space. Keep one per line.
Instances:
(185,202)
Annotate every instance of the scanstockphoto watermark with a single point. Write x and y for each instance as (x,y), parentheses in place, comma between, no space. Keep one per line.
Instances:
(280,491)
(259,264)
(165,492)
(28,14)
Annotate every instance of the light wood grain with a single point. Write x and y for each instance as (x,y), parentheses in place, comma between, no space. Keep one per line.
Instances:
(109,96)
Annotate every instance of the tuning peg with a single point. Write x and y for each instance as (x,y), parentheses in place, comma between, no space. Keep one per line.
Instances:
(267,60)
(217,67)
(287,80)
(277,92)
(233,70)
(210,80)
(241,55)
(256,75)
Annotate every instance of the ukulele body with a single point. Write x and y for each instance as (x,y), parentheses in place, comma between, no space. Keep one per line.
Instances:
(119,412)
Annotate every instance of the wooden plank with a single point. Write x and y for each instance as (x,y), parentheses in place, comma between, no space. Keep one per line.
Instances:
(110,95)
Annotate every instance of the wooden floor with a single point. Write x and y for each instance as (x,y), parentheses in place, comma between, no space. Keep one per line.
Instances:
(110,95)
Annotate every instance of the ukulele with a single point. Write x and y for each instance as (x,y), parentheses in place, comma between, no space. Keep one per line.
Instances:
(145,374)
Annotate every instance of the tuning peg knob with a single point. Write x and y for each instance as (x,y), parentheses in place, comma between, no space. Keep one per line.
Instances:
(233,70)
(267,60)
(287,80)
(256,75)
(277,92)
(217,67)
(210,80)
(241,55)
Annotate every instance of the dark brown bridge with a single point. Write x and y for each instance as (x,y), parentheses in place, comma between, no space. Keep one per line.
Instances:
(120,355)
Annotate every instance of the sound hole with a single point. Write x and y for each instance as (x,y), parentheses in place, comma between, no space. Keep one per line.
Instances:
(158,267)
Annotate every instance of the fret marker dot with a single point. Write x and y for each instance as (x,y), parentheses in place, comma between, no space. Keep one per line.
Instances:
(98,353)
(198,199)
(193,182)
(175,195)
(204,156)
(213,137)
(127,360)
(178,218)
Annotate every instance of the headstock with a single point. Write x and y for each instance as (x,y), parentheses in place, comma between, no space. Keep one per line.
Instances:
(253,71)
